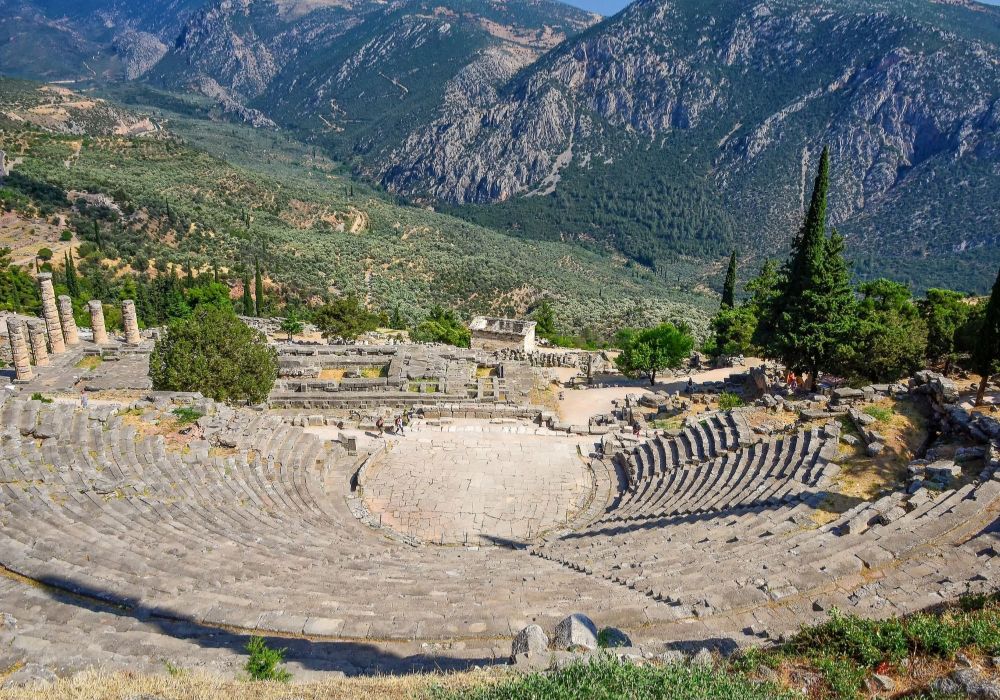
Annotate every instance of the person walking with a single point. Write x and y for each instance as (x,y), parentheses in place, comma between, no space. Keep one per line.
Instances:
(399,426)
(380,426)
(84,399)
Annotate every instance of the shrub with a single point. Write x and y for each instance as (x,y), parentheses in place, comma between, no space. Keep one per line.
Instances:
(45,254)
(264,662)
(38,397)
(213,352)
(728,401)
(66,236)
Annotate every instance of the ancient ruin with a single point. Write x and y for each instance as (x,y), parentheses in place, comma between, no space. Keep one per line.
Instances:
(100,333)
(71,335)
(51,313)
(502,334)
(131,323)
(519,487)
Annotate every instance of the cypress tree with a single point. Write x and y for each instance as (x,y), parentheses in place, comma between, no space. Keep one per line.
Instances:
(72,281)
(248,309)
(729,289)
(258,288)
(810,317)
(986,353)
(97,235)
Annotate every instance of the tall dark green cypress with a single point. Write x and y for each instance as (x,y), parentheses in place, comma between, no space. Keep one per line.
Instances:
(72,281)
(248,309)
(729,289)
(986,353)
(258,288)
(811,316)
(97,235)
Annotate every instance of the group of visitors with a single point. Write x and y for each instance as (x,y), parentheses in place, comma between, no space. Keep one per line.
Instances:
(398,425)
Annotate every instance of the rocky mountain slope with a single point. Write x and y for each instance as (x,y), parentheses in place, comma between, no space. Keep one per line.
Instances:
(741,97)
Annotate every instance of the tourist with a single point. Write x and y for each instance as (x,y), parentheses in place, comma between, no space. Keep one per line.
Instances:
(690,386)
(380,426)
(635,430)
(399,426)
(84,399)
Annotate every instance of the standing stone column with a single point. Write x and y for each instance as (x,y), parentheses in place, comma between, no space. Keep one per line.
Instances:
(51,314)
(70,333)
(36,335)
(97,321)
(131,323)
(19,349)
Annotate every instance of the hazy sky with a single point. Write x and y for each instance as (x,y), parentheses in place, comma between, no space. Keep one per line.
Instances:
(609,7)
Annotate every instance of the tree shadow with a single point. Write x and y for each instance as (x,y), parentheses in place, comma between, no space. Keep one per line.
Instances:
(351,657)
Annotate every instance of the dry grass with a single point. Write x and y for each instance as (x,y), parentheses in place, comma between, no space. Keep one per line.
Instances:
(119,686)
(334,373)
(546,395)
(864,477)
(90,362)
(374,372)
(483,372)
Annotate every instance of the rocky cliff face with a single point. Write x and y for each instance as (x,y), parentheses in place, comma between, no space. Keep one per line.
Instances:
(749,93)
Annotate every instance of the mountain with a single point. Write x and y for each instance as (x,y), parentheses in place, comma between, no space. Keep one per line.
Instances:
(686,127)
(176,191)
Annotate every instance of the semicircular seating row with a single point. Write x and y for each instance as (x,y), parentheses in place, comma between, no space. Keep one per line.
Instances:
(765,472)
(697,442)
(757,525)
(255,537)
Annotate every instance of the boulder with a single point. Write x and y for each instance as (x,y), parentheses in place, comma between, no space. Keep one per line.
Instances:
(531,640)
(850,440)
(943,470)
(874,449)
(576,631)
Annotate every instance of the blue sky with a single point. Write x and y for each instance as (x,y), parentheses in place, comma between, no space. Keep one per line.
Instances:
(609,7)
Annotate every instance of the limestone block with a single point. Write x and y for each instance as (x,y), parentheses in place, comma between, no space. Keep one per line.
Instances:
(531,640)
(577,630)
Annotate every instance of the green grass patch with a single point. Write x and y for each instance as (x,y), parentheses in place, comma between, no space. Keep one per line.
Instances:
(374,372)
(882,414)
(264,663)
(728,401)
(186,415)
(38,397)
(609,679)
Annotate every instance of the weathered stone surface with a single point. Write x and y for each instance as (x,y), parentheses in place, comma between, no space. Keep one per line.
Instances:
(874,449)
(29,676)
(131,323)
(97,324)
(51,313)
(576,630)
(71,335)
(531,640)
(39,343)
(19,349)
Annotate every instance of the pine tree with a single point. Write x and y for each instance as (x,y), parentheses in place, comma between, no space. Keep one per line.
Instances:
(258,288)
(810,317)
(729,289)
(986,353)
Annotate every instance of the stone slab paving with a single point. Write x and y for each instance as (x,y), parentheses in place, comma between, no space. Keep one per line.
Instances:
(484,488)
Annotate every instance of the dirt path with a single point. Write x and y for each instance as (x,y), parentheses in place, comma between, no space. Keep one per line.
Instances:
(578,405)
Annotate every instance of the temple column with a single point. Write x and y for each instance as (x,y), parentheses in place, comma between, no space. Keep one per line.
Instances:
(51,314)
(97,321)
(36,336)
(131,323)
(70,333)
(19,349)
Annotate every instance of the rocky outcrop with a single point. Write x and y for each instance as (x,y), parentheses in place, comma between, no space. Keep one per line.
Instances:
(751,93)
(139,51)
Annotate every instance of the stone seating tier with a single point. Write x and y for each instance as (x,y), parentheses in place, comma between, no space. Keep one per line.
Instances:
(247,529)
